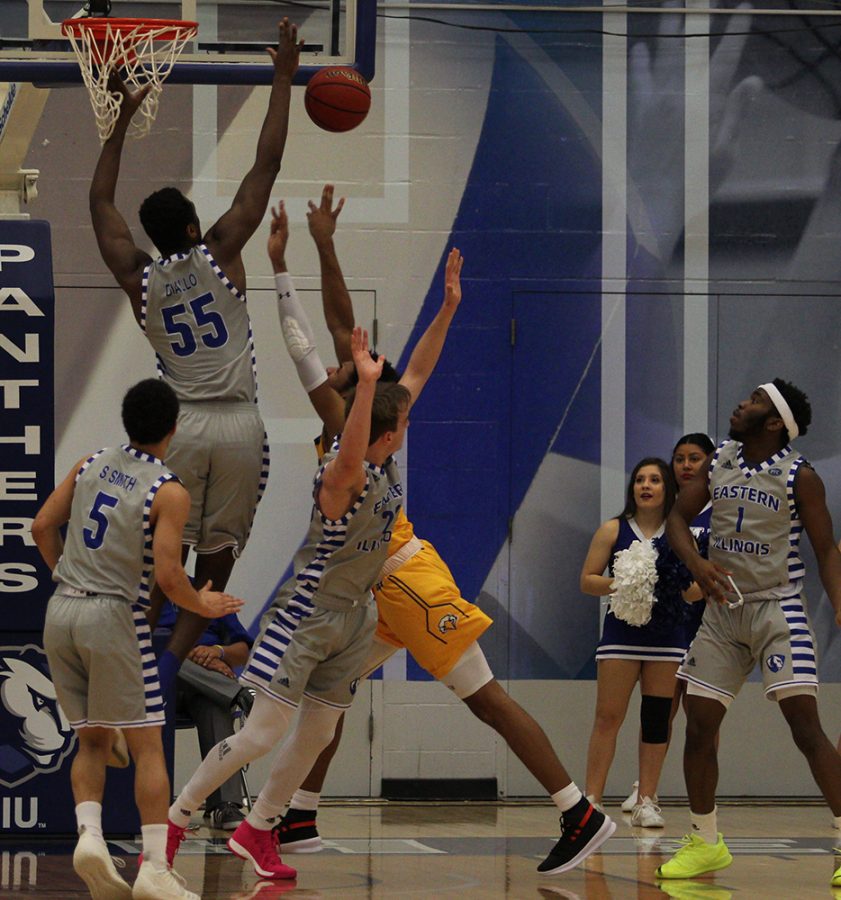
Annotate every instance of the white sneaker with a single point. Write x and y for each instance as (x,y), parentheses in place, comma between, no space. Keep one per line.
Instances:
(93,864)
(647,815)
(632,799)
(160,884)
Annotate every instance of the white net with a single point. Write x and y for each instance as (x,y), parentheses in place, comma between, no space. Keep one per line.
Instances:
(143,51)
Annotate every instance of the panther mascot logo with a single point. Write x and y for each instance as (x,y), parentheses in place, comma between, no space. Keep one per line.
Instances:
(35,736)
(447,623)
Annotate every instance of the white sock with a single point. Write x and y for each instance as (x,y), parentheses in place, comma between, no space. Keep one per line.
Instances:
(89,817)
(307,800)
(154,845)
(705,826)
(264,814)
(567,797)
(181,812)
(263,730)
(836,822)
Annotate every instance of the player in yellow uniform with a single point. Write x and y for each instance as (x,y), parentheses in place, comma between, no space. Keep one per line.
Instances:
(420,605)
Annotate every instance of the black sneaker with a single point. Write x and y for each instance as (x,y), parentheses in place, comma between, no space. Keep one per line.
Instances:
(226,816)
(297,833)
(583,830)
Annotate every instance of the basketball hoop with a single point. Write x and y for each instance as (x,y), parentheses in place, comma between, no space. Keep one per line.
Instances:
(142,51)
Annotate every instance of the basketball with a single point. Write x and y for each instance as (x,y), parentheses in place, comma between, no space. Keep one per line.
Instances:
(337,98)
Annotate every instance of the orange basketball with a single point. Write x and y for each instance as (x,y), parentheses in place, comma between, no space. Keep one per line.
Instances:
(337,98)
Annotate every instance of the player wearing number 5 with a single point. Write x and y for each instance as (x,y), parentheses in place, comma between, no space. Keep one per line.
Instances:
(763,495)
(191,306)
(124,512)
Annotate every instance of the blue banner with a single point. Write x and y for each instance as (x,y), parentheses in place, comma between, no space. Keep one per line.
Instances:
(27,303)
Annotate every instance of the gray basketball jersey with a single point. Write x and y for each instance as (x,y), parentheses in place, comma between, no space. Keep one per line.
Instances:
(341,560)
(755,529)
(198,324)
(108,547)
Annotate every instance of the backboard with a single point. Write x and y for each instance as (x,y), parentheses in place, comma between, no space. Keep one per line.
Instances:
(229,48)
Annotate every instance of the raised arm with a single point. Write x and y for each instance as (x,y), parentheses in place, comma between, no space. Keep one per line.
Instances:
(810,496)
(52,516)
(297,331)
(428,349)
(338,308)
(116,245)
(228,236)
(344,477)
(710,578)
(593,580)
(168,515)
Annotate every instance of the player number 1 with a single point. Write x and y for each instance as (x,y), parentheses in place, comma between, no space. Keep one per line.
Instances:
(740,518)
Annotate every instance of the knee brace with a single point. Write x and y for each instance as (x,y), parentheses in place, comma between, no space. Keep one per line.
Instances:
(654,719)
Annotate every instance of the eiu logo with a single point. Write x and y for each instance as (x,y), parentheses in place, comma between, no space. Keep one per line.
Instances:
(447,623)
(35,736)
(775,662)
(354,686)
(775,471)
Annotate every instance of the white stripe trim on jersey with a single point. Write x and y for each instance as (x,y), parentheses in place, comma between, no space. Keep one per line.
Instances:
(151,682)
(86,464)
(329,704)
(144,299)
(704,684)
(766,464)
(217,269)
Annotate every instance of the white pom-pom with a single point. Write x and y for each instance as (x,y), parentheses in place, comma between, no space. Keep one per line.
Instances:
(634,578)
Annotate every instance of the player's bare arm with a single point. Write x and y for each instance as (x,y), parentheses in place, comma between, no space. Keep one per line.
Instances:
(693,497)
(327,403)
(344,477)
(205,655)
(116,245)
(168,516)
(427,351)
(593,580)
(810,496)
(230,233)
(338,308)
(52,516)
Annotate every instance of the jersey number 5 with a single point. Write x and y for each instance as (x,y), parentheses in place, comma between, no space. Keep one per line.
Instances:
(215,335)
(95,536)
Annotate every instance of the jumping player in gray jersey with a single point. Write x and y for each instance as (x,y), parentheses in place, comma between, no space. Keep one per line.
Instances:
(763,495)
(125,512)
(191,306)
(317,632)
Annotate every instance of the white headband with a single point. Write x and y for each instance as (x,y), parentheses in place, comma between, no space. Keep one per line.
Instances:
(783,409)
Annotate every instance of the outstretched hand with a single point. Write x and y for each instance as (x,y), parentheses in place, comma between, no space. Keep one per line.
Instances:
(288,52)
(322,219)
(368,369)
(278,237)
(216,604)
(129,101)
(452,278)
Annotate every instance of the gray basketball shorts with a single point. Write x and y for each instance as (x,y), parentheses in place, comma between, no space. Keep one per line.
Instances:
(320,659)
(221,454)
(101,660)
(776,634)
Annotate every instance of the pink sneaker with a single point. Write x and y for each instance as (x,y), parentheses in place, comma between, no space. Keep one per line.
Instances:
(261,849)
(174,837)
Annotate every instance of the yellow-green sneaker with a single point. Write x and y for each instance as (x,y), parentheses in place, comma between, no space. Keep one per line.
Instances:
(836,878)
(696,857)
(694,890)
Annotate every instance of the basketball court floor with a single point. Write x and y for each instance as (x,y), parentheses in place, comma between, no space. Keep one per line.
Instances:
(474,850)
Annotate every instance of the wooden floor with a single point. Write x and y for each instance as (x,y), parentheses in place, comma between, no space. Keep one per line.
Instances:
(472,850)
